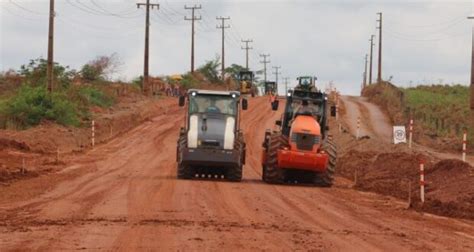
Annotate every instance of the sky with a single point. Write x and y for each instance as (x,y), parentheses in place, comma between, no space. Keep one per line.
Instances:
(423,41)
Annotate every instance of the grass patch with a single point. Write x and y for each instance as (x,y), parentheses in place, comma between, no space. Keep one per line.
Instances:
(93,96)
(68,107)
(442,109)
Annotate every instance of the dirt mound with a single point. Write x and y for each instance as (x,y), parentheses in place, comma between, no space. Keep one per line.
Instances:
(384,173)
(449,183)
(450,189)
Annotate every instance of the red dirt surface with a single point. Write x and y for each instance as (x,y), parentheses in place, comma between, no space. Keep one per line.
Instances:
(124,195)
(387,169)
(45,148)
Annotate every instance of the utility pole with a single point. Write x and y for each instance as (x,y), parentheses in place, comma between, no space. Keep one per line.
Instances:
(286,84)
(247,48)
(365,71)
(379,74)
(472,68)
(192,19)
(147,5)
(50,66)
(371,57)
(265,62)
(223,27)
(276,73)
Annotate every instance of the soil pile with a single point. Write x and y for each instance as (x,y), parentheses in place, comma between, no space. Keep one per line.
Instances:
(450,189)
(449,183)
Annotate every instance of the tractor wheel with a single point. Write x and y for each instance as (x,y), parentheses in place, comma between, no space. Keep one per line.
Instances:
(234,174)
(271,173)
(326,178)
(183,171)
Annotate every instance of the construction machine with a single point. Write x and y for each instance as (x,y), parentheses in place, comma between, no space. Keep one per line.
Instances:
(211,143)
(246,85)
(270,87)
(300,149)
(307,83)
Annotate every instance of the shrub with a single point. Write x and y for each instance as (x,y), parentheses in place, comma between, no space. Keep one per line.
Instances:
(33,104)
(188,81)
(35,73)
(96,97)
(211,70)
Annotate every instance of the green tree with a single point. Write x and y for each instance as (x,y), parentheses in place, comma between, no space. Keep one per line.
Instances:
(210,70)
(101,68)
(35,73)
(234,70)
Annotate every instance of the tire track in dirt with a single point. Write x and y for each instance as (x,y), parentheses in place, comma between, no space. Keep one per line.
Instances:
(141,206)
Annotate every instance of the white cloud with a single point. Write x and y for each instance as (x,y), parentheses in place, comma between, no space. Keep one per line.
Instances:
(422,39)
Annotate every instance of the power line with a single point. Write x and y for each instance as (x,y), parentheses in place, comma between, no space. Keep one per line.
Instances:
(286,84)
(276,73)
(223,27)
(379,73)
(371,57)
(192,19)
(49,70)
(147,6)
(124,14)
(247,48)
(27,10)
(265,62)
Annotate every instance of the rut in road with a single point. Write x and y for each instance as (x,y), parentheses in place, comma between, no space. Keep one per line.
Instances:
(130,199)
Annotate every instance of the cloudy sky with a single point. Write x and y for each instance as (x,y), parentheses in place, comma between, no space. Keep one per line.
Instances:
(424,41)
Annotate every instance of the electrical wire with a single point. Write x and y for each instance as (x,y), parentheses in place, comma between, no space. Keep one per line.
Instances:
(120,13)
(27,10)
(21,16)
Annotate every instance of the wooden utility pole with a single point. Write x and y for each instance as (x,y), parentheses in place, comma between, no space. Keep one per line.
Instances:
(265,62)
(276,73)
(365,71)
(192,19)
(371,57)
(147,5)
(223,27)
(50,66)
(472,71)
(379,74)
(286,84)
(247,48)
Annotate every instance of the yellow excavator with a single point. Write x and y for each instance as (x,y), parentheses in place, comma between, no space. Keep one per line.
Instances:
(246,85)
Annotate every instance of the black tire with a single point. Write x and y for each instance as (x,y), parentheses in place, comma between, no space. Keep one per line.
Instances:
(326,178)
(183,171)
(271,173)
(234,174)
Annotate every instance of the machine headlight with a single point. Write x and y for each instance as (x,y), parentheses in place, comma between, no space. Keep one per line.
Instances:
(233,96)
(193,93)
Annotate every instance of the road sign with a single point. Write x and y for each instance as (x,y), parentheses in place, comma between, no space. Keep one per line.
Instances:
(399,134)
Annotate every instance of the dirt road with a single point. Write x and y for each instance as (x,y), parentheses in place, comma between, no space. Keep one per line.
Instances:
(373,122)
(376,124)
(128,199)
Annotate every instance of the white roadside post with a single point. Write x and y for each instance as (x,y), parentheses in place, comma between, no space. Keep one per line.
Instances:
(358,128)
(422,181)
(93,133)
(464,146)
(410,136)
